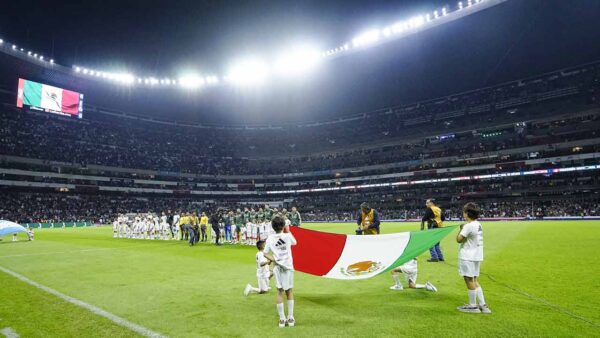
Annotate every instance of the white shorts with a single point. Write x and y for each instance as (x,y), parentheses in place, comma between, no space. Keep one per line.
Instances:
(468,268)
(284,278)
(409,274)
(263,283)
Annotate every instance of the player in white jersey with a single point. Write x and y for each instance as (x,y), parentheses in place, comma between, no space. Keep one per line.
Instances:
(262,272)
(243,237)
(262,231)
(254,229)
(115,225)
(410,271)
(175,228)
(137,227)
(470,256)
(164,227)
(278,249)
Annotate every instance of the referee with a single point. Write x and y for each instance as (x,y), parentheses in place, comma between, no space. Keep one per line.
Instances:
(215,219)
(435,219)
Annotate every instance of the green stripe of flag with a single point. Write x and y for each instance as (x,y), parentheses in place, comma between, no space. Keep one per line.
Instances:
(32,93)
(419,242)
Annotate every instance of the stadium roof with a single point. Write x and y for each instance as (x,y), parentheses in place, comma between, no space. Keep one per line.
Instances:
(515,39)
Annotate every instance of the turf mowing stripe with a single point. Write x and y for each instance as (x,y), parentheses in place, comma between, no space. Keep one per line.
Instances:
(538,299)
(93,309)
(82,250)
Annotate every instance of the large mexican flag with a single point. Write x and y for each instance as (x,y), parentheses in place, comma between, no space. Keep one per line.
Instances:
(359,257)
(48,97)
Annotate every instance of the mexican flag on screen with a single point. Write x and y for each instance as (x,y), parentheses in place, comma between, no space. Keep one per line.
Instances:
(49,97)
(359,257)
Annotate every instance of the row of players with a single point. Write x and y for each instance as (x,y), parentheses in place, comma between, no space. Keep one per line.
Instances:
(245,227)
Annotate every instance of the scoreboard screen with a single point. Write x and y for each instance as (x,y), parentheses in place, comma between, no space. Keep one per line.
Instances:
(50,99)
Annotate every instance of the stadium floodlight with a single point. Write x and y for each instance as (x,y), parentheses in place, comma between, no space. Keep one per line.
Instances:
(52,61)
(366,38)
(29,53)
(41,57)
(77,69)
(85,71)
(248,72)
(14,47)
(1,41)
(460,5)
(92,73)
(297,61)
(191,81)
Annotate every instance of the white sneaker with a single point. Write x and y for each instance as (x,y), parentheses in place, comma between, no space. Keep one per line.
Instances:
(282,323)
(396,287)
(485,309)
(291,322)
(247,289)
(430,287)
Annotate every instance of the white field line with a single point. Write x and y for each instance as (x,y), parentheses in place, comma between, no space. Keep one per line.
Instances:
(8,332)
(93,309)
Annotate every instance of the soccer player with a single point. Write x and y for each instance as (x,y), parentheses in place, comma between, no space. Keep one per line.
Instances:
(262,272)
(410,271)
(239,222)
(295,218)
(278,249)
(164,226)
(116,227)
(435,219)
(228,220)
(176,227)
(470,256)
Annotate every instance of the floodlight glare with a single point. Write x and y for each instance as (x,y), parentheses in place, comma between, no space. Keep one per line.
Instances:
(297,61)
(191,81)
(248,72)
(52,61)
(366,38)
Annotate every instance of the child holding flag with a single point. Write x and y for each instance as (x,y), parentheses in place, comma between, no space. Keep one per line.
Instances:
(279,250)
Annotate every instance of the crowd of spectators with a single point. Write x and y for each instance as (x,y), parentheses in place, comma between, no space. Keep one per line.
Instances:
(55,207)
(135,143)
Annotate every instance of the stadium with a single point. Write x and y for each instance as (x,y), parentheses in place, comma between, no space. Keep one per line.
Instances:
(152,171)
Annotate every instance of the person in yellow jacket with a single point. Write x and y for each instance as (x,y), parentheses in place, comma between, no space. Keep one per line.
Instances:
(435,219)
(203,226)
(184,222)
(368,221)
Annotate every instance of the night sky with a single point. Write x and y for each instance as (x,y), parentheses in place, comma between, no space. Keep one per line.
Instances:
(163,38)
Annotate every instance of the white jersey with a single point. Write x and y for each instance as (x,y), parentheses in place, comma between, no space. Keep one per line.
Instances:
(472,247)
(262,271)
(280,245)
(176,220)
(163,219)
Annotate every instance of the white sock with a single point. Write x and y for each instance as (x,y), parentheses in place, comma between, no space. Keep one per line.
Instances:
(290,309)
(280,311)
(419,286)
(397,278)
(480,296)
(473,297)
(253,289)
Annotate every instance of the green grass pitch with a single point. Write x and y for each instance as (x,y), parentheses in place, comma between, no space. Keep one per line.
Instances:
(539,278)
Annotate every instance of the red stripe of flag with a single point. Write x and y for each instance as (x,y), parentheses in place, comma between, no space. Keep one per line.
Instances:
(311,255)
